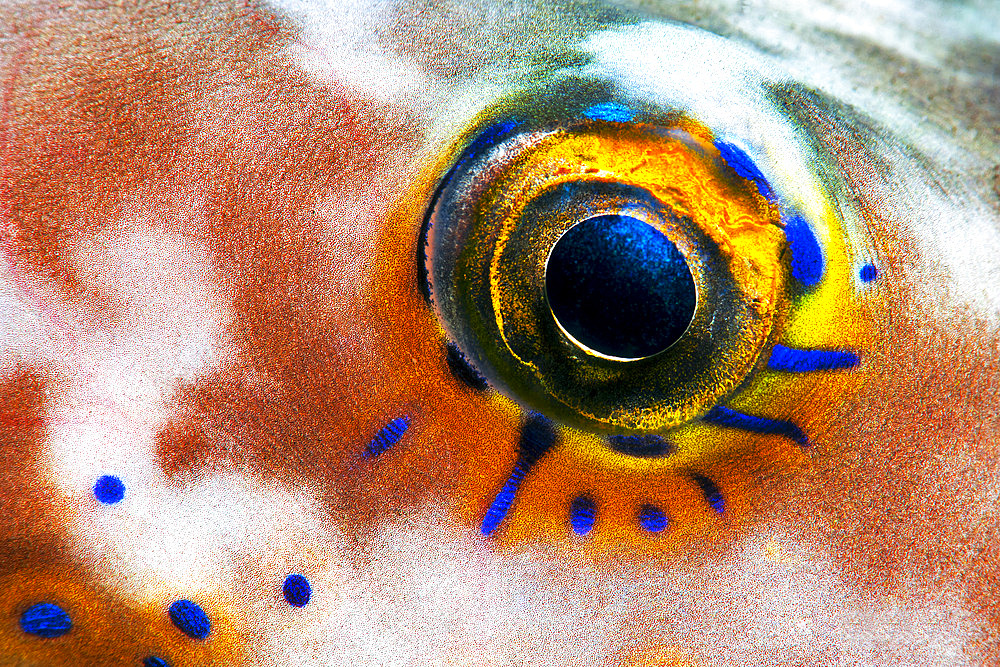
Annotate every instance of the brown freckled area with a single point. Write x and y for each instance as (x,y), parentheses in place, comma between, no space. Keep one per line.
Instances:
(28,517)
(88,134)
(128,113)
(311,382)
(118,115)
(905,489)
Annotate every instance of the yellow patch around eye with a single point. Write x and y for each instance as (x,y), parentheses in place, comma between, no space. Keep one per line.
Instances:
(583,492)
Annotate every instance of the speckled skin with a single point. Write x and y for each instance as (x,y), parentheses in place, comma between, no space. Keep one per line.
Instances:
(209,216)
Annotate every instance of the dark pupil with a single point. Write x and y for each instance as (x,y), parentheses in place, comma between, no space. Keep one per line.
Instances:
(620,286)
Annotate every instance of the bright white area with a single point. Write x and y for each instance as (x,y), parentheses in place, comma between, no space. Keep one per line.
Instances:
(340,44)
(430,593)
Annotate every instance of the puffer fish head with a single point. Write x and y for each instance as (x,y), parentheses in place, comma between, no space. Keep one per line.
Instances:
(483,333)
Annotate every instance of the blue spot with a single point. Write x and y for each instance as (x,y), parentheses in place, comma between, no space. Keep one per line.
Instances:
(153,661)
(609,111)
(722,416)
(297,590)
(802,361)
(744,166)
(109,489)
(652,519)
(498,509)
(387,436)
(582,513)
(537,437)
(868,273)
(713,496)
(46,620)
(807,257)
(190,619)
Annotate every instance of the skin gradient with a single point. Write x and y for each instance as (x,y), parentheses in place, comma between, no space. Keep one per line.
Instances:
(209,222)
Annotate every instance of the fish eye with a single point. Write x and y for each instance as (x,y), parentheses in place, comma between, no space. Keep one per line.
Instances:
(617,276)
(659,269)
(618,267)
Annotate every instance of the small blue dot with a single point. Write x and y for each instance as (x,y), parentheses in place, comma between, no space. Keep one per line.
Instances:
(46,620)
(109,489)
(153,661)
(297,590)
(868,273)
(652,519)
(190,619)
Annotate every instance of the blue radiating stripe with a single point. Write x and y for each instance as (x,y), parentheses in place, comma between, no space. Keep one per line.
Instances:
(582,513)
(807,256)
(501,504)
(802,361)
(744,166)
(387,436)
(722,416)
(713,496)
(538,434)
(609,111)
(641,445)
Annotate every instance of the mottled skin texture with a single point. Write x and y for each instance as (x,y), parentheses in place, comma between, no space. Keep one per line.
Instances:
(209,221)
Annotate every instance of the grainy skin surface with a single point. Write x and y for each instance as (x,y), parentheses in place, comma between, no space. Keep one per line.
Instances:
(209,219)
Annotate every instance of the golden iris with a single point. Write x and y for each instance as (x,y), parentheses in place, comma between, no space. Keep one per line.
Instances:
(521,219)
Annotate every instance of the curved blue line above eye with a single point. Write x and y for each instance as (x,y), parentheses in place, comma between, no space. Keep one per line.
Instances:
(807,256)
(488,137)
(387,436)
(582,513)
(744,166)
(45,620)
(723,416)
(804,361)
(609,111)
